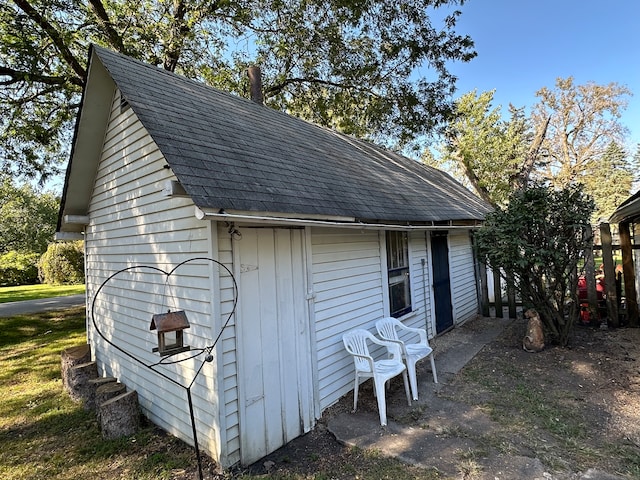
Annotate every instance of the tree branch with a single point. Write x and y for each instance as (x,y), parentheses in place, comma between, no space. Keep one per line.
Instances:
(475,181)
(275,89)
(55,36)
(521,178)
(16,76)
(103,18)
(178,31)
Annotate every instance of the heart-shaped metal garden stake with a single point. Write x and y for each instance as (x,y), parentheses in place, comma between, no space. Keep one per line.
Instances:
(176,325)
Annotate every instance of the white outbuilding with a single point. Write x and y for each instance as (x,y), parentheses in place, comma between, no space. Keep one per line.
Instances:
(320,232)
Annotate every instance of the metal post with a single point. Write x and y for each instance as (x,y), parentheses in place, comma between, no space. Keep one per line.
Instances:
(195,433)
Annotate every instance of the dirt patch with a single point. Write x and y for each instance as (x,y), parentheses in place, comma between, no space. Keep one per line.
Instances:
(564,411)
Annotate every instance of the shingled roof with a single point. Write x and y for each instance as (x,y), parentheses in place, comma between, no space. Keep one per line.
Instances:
(233,154)
(627,210)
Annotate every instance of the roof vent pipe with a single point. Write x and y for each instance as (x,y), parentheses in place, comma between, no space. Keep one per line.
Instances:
(255,84)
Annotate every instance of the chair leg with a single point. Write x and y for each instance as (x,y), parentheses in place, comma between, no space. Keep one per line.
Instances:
(406,387)
(433,369)
(382,402)
(355,394)
(411,369)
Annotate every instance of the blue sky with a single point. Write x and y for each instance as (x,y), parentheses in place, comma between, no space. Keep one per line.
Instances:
(524,45)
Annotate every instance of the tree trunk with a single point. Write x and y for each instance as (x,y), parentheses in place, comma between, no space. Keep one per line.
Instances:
(511,297)
(106,392)
(71,357)
(521,180)
(120,416)
(94,384)
(79,376)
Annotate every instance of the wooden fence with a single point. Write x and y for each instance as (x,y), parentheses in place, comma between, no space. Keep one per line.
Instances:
(498,297)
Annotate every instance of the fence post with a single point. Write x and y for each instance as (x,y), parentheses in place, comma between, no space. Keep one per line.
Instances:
(484,289)
(511,297)
(609,275)
(590,275)
(629,275)
(497,293)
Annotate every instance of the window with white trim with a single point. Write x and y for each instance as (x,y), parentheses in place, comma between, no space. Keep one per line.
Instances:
(398,273)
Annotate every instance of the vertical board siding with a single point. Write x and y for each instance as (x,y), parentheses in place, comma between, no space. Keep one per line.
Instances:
(347,286)
(229,389)
(273,349)
(463,277)
(134,225)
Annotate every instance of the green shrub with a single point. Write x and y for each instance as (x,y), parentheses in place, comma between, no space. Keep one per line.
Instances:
(18,269)
(538,240)
(62,264)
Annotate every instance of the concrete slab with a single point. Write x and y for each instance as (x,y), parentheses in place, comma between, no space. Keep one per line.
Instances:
(456,348)
(437,445)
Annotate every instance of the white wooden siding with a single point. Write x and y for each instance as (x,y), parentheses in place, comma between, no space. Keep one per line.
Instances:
(421,290)
(229,387)
(463,278)
(349,292)
(133,224)
(347,287)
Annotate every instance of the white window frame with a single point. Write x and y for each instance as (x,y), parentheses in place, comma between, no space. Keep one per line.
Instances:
(398,270)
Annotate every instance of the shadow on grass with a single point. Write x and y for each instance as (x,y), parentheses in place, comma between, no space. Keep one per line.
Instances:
(44,434)
(46,327)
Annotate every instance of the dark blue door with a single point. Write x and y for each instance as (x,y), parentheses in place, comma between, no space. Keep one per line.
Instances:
(441,281)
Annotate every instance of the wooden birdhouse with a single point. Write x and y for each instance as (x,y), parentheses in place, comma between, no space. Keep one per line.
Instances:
(170,327)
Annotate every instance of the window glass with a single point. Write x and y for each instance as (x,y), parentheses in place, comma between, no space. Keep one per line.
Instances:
(398,273)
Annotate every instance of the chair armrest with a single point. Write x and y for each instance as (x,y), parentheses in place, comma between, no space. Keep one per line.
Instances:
(394,347)
(395,351)
(364,357)
(419,331)
(399,343)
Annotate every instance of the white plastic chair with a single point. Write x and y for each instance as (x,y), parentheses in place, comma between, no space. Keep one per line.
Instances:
(411,352)
(356,343)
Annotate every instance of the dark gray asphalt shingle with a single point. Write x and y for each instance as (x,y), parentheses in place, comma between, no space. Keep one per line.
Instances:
(231,153)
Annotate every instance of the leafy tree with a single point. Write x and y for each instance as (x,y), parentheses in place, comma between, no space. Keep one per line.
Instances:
(28,218)
(62,263)
(18,269)
(609,180)
(635,166)
(487,151)
(564,141)
(349,65)
(538,240)
(583,122)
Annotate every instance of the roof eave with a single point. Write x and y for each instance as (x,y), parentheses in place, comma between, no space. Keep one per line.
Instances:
(628,211)
(362,224)
(88,138)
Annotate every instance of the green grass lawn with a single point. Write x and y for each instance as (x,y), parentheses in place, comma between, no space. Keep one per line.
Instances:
(43,434)
(33,292)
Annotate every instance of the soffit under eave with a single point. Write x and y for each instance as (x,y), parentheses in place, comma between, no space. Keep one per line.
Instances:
(626,213)
(88,142)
